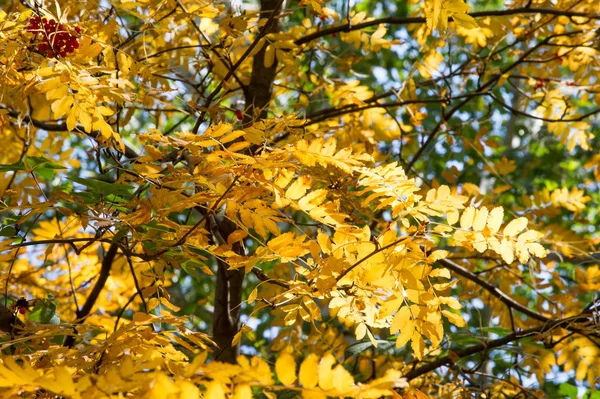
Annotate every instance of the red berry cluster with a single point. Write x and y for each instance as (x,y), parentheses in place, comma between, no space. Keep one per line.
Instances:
(540,84)
(53,39)
(22,304)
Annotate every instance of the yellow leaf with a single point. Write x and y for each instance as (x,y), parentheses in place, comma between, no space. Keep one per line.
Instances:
(242,392)
(361,331)
(142,318)
(49,84)
(236,338)
(236,236)
(312,200)
(454,318)
(58,93)
(495,219)
(269,56)
(506,251)
(72,118)
(536,250)
(418,345)
(285,367)
(480,219)
(253,295)
(530,236)
(342,379)
(452,216)
(308,375)
(232,136)
(214,390)
(466,220)
(61,106)
(515,227)
(325,374)
(465,21)
(62,377)
(298,188)
(152,303)
(169,305)
(443,192)
(581,372)
(85,119)
(437,255)
(406,334)
(458,6)
(188,390)
(442,272)
(401,318)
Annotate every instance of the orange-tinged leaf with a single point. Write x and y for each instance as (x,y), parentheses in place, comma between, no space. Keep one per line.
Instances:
(269,56)
(285,367)
(152,303)
(236,236)
(142,318)
(253,295)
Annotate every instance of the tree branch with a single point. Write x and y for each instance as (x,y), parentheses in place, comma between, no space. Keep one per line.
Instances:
(345,27)
(488,345)
(82,313)
(504,298)
(62,127)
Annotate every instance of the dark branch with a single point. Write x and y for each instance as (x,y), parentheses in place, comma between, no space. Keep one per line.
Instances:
(421,20)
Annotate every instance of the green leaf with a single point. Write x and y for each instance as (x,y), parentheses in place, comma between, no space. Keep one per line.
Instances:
(359,347)
(196,270)
(44,312)
(568,390)
(13,167)
(34,162)
(8,231)
(592,395)
(120,234)
(105,188)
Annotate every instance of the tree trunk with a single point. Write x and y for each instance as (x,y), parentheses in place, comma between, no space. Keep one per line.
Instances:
(228,290)
(260,91)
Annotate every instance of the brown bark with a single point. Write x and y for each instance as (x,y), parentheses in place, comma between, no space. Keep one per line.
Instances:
(228,289)
(260,90)
(228,297)
(82,313)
